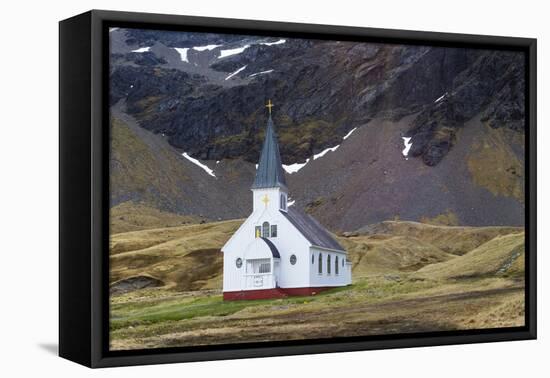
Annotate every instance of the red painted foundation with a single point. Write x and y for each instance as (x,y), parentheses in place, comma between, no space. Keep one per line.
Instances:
(271,293)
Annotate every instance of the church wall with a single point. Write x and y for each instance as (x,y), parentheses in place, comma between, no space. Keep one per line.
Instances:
(289,241)
(234,248)
(348,273)
(286,238)
(325,279)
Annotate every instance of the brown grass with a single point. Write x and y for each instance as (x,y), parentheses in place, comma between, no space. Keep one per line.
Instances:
(403,281)
(448,218)
(184,257)
(131,216)
(455,240)
(494,258)
(382,254)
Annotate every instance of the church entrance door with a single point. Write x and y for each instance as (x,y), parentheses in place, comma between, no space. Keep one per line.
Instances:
(259,274)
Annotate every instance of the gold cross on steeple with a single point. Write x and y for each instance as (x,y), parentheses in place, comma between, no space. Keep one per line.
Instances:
(269,106)
(265,200)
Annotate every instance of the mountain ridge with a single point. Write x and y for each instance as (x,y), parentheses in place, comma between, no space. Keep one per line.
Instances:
(342,111)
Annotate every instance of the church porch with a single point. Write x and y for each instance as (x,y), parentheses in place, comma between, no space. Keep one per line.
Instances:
(260,273)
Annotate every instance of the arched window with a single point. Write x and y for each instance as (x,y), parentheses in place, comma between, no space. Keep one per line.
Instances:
(343,261)
(312,259)
(328,264)
(265,229)
(336,266)
(283,201)
(320,263)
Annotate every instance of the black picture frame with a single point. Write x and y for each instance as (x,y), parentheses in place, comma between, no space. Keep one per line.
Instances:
(84,192)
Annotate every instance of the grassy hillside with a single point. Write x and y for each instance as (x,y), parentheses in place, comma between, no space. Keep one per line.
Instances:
(188,257)
(385,253)
(456,240)
(503,255)
(166,286)
(131,216)
(183,258)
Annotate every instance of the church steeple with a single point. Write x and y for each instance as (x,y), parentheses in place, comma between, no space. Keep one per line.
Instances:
(270,173)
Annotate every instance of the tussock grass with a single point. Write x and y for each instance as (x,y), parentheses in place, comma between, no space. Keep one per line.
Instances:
(407,277)
(131,216)
(497,257)
(184,257)
(456,240)
(383,253)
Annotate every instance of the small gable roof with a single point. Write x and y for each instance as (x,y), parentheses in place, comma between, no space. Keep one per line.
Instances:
(312,230)
(274,250)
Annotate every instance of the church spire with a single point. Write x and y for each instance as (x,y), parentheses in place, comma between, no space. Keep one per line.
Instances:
(270,172)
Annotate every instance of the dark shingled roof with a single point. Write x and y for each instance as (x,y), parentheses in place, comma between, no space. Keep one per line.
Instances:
(274,250)
(313,231)
(270,172)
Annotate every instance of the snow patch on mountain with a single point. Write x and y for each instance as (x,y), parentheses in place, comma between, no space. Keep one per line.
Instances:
(260,73)
(293,168)
(142,49)
(350,132)
(324,152)
(234,73)
(229,52)
(207,47)
(199,164)
(440,98)
(183,53)
(408,145)
(280,41)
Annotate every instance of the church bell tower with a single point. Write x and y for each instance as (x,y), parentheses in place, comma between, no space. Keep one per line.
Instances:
(269,188)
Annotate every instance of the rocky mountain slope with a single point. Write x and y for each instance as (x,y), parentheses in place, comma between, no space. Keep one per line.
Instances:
(145,169)
(342,111)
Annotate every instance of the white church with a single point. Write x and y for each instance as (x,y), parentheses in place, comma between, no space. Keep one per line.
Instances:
(280,251)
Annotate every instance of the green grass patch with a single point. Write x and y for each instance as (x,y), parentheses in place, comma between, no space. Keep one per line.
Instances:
(134,314)
(140,313)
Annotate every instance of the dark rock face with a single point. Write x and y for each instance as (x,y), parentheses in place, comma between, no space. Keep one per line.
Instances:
(137,38)
(205,94)
(321,89)
(493,85)
(145,59)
